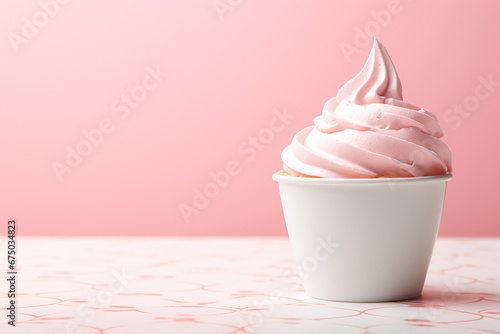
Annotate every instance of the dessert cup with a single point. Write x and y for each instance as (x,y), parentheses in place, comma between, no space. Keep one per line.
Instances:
(362,240)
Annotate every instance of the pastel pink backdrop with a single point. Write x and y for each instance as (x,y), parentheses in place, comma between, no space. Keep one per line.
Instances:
(228,73)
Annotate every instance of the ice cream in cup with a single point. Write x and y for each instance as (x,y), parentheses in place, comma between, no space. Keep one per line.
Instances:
(363,190)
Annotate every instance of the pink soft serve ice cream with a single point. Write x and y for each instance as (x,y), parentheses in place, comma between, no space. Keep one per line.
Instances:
(368,131)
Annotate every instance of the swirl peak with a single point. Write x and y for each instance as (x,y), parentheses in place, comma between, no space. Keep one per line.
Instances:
(377,81)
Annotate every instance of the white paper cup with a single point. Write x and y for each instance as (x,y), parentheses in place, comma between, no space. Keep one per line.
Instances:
(362,240)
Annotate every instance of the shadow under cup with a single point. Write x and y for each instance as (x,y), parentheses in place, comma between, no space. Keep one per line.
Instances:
(363,240)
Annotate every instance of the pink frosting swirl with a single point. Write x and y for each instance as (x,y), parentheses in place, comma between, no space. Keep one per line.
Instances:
(368,131)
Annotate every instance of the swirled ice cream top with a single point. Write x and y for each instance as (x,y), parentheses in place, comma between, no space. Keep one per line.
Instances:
(368,131)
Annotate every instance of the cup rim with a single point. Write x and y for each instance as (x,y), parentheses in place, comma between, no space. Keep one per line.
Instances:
(361,181)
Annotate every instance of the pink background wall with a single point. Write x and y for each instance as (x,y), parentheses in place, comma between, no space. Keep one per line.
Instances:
(229,72)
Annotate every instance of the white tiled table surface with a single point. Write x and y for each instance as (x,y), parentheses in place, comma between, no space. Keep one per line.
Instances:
(232,285)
